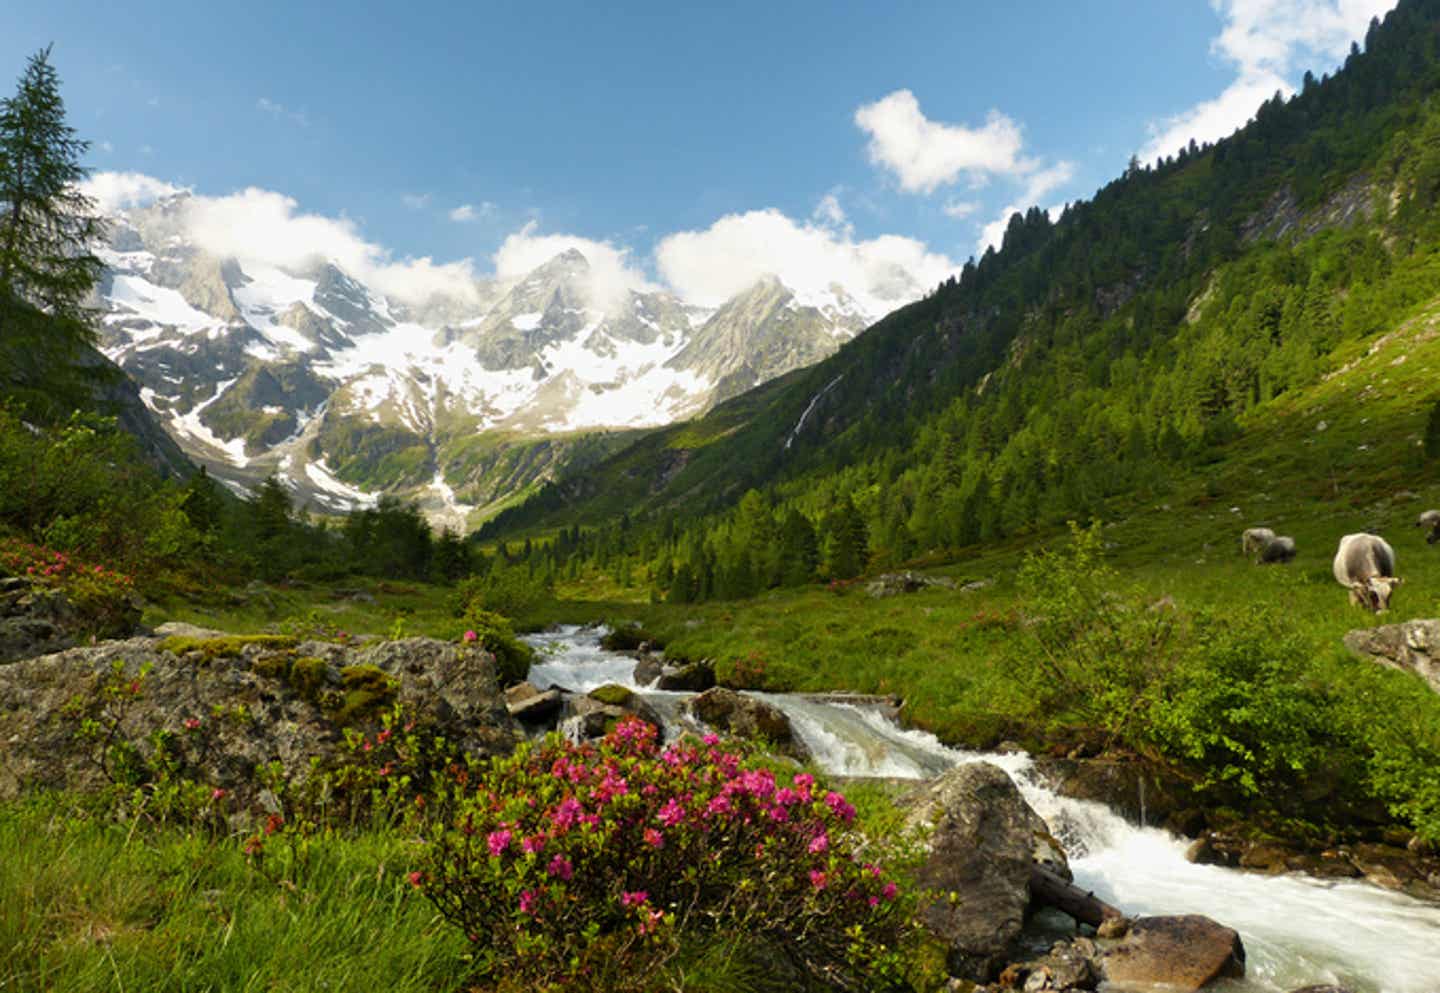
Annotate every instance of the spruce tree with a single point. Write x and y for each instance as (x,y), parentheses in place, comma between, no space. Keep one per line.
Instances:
(47,225)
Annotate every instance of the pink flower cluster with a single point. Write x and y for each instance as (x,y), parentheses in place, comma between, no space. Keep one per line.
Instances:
(620,823)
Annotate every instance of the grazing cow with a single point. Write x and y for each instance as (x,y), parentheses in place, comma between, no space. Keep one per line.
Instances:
(1277,551)
(1365,565)
(1254,540)
(1430,521)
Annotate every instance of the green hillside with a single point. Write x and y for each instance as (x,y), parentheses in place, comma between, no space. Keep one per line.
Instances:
(1166,328)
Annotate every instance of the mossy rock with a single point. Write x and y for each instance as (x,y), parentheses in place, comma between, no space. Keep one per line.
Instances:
(627,638)
(308,676)
(612,694)
(230,646)
(367,691)
(276,666)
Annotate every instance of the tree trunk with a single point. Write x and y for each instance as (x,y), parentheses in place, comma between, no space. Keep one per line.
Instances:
(1052,890)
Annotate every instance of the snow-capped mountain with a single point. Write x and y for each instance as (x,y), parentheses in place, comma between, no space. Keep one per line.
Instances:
(307,372)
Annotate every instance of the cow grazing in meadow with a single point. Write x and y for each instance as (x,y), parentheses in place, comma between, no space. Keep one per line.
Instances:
(1277,551)
(1254,540)
(1430,521)
(1365,565)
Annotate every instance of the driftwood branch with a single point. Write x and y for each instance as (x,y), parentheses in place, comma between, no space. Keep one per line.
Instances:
(1052,890)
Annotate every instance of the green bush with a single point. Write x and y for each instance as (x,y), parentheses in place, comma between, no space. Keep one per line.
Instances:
(511,591)
(596,868)
(494,634)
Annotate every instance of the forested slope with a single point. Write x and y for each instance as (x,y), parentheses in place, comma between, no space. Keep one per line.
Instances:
(1137,337)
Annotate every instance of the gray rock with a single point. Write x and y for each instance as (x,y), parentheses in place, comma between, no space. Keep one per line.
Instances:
(268,710)
(648,669)
(746,717)
(1413,646)
(1179,954)
(893,583)
(691,677)
(983,842)
(532,706)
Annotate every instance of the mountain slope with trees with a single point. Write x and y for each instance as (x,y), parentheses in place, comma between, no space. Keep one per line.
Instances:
(1130,341)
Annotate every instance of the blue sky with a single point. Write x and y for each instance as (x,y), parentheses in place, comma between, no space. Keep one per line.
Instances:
(454,133)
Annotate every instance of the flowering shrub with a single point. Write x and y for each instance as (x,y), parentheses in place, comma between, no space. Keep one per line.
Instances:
(591,866)
(493,633)
(102,595)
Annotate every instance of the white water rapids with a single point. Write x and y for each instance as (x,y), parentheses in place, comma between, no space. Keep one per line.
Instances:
(1297,930)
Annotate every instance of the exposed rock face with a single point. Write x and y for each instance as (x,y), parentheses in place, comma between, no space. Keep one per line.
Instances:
(1140,795)
(37,621)
(532,706)
(276,700)
(893,583)
(747,717)
(985,839)
(1413,646)
(1179,954)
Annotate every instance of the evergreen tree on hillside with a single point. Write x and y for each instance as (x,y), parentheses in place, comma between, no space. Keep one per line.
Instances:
(1432,433)
(46,224)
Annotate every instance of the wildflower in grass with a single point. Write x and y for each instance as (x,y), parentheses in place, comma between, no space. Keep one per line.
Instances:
(839,806)
(533,844)
(654,839)
(818,879)
(217,794)
(192,724)
(819,843)
(671,814)
(527,901)
(417,879)
(471,637)
(633,899)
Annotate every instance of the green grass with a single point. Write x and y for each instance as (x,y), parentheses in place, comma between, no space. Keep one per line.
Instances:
(92,906)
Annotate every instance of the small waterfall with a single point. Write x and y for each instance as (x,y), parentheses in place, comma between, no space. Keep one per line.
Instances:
(1297,930)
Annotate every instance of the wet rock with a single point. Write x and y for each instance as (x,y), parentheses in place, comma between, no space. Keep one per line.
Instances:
(894,583)
(533,706)
(648,669)
(690,677)
(1069,965)
(587,717)
(1413,647)
(1321,989)
(626,700)
(746,717)
(1141,793)
(1181,953)
(984,840)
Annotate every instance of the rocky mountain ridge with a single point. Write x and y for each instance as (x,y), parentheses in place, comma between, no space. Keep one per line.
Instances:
(346,393)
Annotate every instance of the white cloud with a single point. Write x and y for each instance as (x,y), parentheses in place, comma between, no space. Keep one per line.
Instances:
(415,201)
(959,209)
(710,266)
(114,191)
(279,110)
(106,147)
(828,211)
(611,270)
(925,155)
(1043,182)
(467,212)
(1268,42)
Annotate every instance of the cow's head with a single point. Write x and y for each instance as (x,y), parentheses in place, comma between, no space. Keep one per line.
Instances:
(1374,593)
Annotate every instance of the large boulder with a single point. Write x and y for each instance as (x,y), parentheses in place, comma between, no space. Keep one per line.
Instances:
(255,699)
(984,840)
(747,717)
(1177,954)
(1413,646)
(530,705)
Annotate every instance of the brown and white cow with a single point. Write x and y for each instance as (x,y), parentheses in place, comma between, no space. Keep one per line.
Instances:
(1365,565)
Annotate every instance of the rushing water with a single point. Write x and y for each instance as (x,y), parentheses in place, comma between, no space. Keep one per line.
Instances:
(1297,930)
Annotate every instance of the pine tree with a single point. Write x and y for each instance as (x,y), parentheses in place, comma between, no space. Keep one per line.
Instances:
(47,224)
(1432,433)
